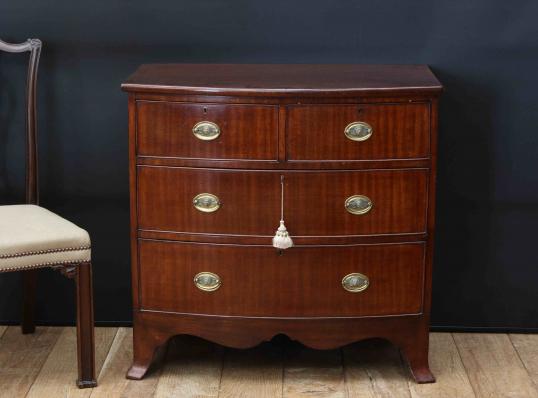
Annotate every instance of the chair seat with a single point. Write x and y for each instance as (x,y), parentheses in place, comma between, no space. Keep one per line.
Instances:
(34,237)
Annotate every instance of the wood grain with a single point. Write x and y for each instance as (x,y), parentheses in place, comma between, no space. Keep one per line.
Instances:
(304,108)
(526,346)
(112,381)
(193,368)
(356,164)
(302,282)
(23,356)
(373,368)
(314,202)
(246,374)
(445,363)
(257,240)
(2,330)
(309,373)
(246,131)
(493,366)
(316,132)
(284,80)
(241,332)
(250,201)
(56,378)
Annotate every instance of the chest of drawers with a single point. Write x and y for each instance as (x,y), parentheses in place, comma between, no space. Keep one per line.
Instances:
(347,152)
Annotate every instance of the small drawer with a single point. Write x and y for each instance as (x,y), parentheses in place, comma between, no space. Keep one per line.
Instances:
(362,280)
(208,131)
(358,132)
(208,201)
(374,202)
(241,202)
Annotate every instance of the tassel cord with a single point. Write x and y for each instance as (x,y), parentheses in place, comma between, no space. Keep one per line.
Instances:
(282,239)
(282,198)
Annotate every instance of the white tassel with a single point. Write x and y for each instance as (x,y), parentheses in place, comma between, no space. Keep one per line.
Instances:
(282,239)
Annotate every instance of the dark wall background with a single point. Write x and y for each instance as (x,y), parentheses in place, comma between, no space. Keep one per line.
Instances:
(485,53)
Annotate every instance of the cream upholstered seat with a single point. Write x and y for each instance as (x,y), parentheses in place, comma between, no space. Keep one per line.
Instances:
(34,237)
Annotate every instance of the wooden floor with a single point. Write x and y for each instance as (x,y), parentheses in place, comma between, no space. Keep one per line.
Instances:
(466,365)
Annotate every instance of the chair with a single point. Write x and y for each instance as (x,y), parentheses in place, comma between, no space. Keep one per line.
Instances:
(32,237)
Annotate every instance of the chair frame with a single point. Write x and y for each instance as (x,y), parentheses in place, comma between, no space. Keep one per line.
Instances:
(80,272)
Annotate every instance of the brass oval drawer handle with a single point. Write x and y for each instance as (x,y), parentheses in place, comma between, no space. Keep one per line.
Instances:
(206,202)
(355,282)
(358,204)
(207,281)
(358,131)
(206,131)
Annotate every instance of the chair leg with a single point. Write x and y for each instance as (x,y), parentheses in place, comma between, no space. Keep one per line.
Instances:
(29,285)
(85,327)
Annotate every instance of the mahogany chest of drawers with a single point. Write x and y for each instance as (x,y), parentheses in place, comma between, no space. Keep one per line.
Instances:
(346,152)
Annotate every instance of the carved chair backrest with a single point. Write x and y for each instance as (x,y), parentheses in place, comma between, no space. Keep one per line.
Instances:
(34,47)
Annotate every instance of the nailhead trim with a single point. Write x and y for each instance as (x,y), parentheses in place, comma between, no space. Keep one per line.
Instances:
(42,265)
(68,249)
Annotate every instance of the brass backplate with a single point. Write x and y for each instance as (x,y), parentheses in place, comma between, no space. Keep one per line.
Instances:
(206,202)
(206,131)
(207,281)
(355,282)
(358,131)
(358,204)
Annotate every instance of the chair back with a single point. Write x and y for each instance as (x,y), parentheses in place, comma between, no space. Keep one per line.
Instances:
(34,47)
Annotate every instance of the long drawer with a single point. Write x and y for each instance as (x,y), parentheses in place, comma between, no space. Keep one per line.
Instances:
(322,203)
(358,132)
(208,131)
(361,280)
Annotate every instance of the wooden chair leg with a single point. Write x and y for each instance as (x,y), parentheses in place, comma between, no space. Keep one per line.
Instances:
(29,285)
(85,327)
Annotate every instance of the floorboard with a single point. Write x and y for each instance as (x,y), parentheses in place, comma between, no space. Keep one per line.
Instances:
(466,365)
(193,368)
(313,373)
(59,373)
(112,381)
(446,365)
(22,356)
(373,368)
(493,366)
(526,346)
(256,372)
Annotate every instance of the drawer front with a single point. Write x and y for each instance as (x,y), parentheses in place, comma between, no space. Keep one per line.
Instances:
(248,202)
(229,132)
(393,131)
(303,282)
(315,203)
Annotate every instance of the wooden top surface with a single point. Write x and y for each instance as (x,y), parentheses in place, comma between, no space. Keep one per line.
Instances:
(282,80)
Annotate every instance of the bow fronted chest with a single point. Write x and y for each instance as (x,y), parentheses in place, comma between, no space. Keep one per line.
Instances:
(344,154)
